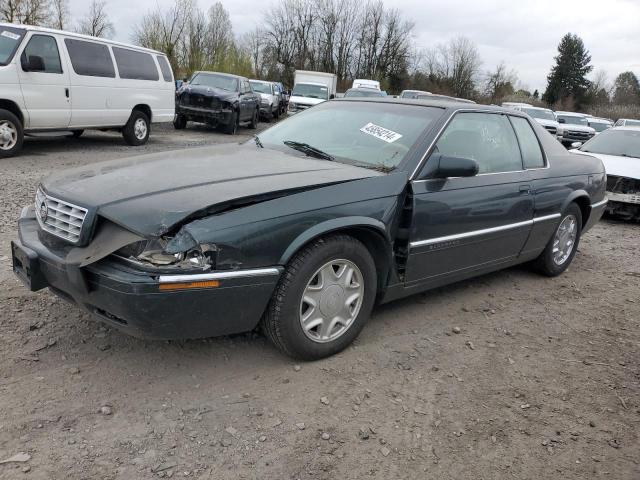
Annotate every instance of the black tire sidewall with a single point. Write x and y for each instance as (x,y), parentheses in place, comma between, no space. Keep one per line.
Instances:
(232,127)
(180,122)
(254,119)
(129,130)
(291,333)
(7,115)
(545,262)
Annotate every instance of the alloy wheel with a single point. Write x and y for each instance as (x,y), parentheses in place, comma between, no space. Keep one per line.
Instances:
(140,129)
(8,135)
(565,239)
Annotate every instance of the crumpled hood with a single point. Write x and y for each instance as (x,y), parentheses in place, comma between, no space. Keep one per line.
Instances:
(223,95)
(150,194)
(615,165)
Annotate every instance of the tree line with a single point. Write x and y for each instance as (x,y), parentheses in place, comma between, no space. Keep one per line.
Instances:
(347,37)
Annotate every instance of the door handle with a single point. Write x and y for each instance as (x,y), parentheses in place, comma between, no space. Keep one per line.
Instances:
(66,92)
(525,189)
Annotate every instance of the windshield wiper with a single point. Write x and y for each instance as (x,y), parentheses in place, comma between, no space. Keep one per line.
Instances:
(308,150)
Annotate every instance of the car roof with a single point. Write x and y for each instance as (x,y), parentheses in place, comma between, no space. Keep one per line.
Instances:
(438,103)
(573,114)
(531,107)
(81,37)
(230,75)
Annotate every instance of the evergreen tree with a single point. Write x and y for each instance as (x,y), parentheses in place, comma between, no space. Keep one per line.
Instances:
(626,89)
(567,79)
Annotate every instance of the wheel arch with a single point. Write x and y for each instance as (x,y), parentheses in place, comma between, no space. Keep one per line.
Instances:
(144,108)
(12,107)
(371,232)
(582,199)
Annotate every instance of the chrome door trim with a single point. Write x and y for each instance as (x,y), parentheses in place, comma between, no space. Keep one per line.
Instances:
(199,277)
(599,204)
(547,217)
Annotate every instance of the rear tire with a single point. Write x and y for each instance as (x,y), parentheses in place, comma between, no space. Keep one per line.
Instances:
(11,134)
(232,127)
(136,131)
(343,301)
(558,254)
(180,122)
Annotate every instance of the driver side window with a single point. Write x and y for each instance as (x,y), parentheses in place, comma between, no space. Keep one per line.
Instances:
(45,47)
(487,138)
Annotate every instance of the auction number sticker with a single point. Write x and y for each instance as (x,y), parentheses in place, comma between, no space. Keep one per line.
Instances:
(10,35)
(380,133)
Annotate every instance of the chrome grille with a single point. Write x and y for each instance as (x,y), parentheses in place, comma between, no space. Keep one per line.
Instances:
(62,219)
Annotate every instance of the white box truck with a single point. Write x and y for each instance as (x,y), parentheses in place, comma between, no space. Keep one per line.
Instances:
(311,88)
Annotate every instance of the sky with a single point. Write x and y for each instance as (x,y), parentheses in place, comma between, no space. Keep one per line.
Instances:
(522,33)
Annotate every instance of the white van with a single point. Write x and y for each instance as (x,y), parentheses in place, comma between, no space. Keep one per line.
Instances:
(59,81)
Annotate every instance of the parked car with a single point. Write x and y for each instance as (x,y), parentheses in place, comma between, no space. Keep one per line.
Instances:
(413,93)
(619,150)
(219,100)
(303,228)
(574,127)
(627,122)
(52,80)
(515,104)
(311,88)
(599,124)
(543,116)
(284,97)
(364,83)
(269,98)
(364,92)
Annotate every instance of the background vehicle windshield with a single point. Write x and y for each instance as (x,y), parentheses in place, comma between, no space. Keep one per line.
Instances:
(368,134)
(599,126)
(573,120)
(362,92)
(632,123)
(10,38)
(311,91)
(215,81)
(615,142)
(541,114)
(261,87)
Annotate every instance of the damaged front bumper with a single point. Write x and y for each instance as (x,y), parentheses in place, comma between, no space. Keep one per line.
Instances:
(145,304)
(205,115)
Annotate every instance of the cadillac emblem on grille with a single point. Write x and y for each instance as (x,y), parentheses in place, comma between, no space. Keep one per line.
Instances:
(44,211)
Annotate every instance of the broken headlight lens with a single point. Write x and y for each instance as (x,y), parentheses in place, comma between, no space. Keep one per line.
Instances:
(153,253)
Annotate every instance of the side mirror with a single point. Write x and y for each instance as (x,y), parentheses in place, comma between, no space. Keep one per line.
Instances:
(32,63)
(445,166)
(562,120)
(576,144)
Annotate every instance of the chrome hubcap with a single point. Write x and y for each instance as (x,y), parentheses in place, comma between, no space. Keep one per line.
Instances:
(8,135)
(331,301)
(565,239)
(140,129)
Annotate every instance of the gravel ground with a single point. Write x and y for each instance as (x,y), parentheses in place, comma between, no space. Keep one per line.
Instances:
(510,375)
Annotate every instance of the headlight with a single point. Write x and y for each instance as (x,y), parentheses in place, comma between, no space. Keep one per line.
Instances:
(153,254)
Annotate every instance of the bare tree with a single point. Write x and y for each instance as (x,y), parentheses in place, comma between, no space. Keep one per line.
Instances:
(30,12)
(219,34)
(96,23)
(500,82)
(59,14)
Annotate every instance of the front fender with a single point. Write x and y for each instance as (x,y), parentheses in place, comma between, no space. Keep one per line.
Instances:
(331,226)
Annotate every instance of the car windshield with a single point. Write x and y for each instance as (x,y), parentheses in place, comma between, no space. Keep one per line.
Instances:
(311,91)
(222,82)
(624,143)
(367,134)
(540,114)
(261,87)
(632,123)
(599,126)
(363,92)
(571,120)
(410,94)
(10,38)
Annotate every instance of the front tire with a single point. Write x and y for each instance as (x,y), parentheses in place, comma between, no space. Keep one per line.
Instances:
(563,245)
(11,134)
(323,299)
(232,127)
(136,131)
(179,122)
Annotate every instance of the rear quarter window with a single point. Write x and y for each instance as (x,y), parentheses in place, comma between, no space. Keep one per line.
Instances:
(89,58)
(135,65)
(529,146)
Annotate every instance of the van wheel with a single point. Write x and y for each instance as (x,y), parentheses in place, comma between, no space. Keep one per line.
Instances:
(11,134)
(323,299)
(179,122)
(563,245)
(136,131)
(232,127)
(255,119)
(77,133)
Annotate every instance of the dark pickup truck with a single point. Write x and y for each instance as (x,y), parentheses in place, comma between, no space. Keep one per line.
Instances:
(217,99)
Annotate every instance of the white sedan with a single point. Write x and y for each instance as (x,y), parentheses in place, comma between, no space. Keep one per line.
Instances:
(619,150)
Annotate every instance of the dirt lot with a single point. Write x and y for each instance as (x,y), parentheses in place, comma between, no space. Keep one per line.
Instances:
(543,380)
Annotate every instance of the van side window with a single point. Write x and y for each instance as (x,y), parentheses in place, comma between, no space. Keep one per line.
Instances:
(531,151)
(135,65)
(165,68)
(90,59)
(46,48)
